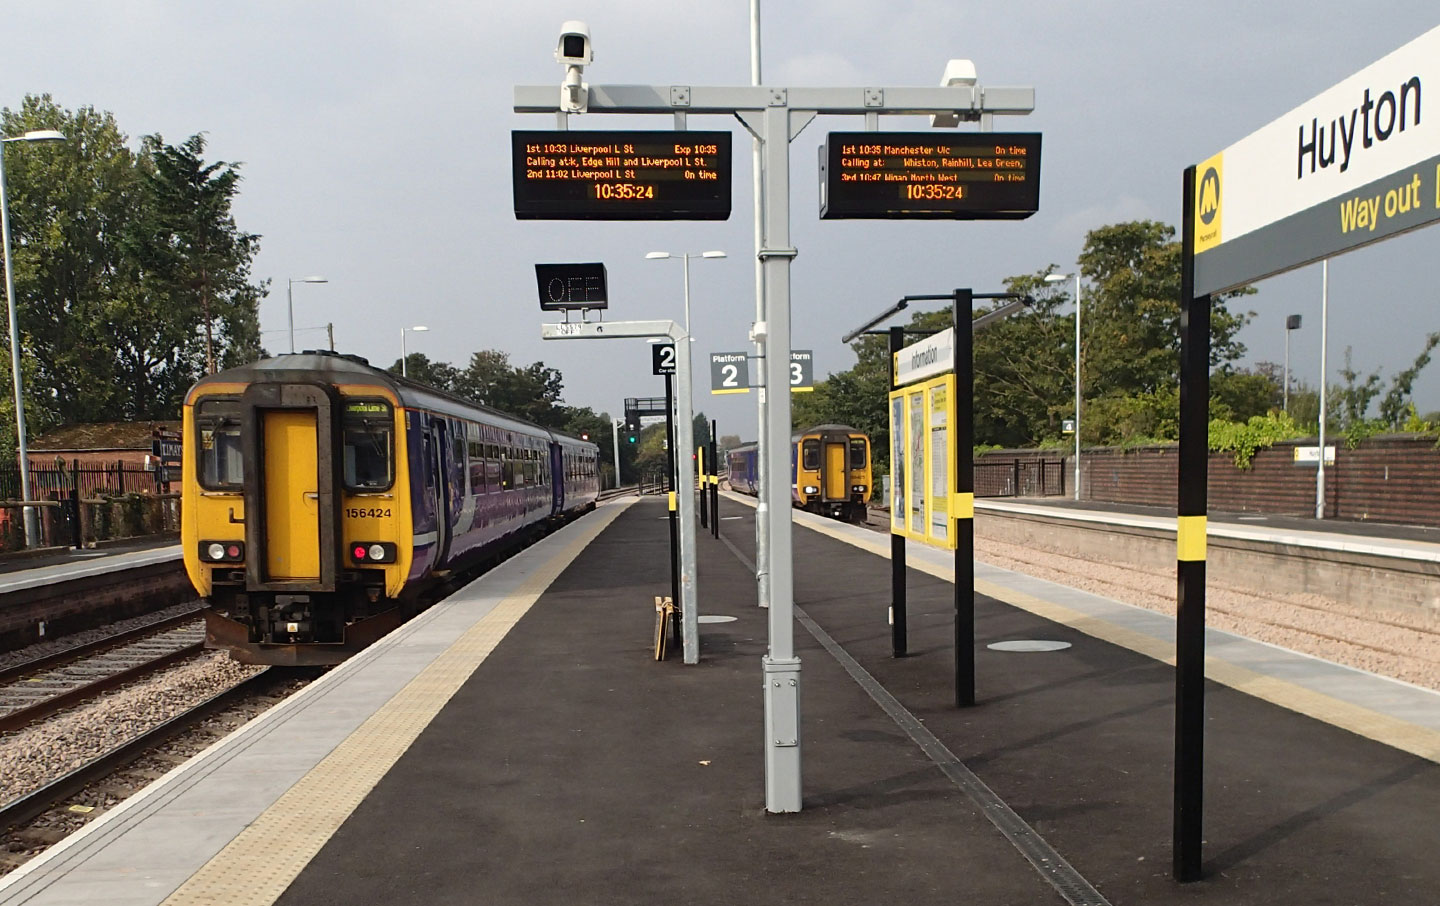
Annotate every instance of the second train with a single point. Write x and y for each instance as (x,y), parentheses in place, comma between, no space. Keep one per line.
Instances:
(829,471)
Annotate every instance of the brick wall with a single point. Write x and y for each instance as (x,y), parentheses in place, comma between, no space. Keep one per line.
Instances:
(1393,478)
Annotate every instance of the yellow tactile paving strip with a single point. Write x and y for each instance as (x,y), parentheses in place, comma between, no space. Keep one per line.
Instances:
(1391,731)
(259,864)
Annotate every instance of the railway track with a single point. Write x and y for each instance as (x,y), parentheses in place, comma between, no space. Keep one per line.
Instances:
(44,686)
(15,813)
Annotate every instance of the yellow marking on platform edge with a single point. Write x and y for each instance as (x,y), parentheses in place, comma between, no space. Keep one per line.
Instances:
(1391,731)
(1190,537)
(256,867)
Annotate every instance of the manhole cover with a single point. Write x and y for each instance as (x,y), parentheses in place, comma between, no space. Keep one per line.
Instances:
(714,618)
(1025,645)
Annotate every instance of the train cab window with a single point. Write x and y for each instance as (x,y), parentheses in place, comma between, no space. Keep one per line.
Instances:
(368,435)
(217,424)
(810,454)
(857,454)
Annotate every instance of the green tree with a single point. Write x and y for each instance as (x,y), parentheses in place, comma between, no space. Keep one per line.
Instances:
(120,257)
(532,392)
(199,259)
(419,367)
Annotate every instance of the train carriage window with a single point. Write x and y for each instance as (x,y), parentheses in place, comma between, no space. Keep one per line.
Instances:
(810,454)
(857,453)
(368,438)
(217,424)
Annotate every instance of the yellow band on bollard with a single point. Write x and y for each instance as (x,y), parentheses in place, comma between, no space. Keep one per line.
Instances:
(672,501)
(963,505)
(1190,538)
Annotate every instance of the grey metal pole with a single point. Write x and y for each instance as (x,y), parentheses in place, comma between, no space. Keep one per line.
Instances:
(31,519)
(762,437)
(1077,385)
(404,368)
(685,256)
(290,307)
(781,667)
(1324,328)
(685,450)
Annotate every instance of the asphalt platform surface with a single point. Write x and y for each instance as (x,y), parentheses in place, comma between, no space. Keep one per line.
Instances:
(572,768)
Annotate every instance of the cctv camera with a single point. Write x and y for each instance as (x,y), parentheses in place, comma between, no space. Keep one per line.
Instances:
(574,47)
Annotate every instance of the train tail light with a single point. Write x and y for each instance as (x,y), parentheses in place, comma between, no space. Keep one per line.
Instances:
(372,552)
(222,551)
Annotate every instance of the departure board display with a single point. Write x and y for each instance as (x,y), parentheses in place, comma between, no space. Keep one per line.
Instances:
(621,175)
(903,175)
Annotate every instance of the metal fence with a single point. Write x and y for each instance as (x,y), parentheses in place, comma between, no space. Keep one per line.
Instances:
(80,505)
(92,480)
(1020,478)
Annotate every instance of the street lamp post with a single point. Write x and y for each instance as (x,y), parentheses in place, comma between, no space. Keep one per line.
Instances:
(685,257)
(290,301)
(32,522)
(1057,278)
(1291,323)
(404,367)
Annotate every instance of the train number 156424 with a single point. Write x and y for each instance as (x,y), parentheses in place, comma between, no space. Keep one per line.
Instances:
(367,512)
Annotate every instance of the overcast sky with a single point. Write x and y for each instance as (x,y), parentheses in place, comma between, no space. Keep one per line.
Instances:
(375,152)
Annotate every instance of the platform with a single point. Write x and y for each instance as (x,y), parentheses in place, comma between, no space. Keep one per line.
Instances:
(518,744)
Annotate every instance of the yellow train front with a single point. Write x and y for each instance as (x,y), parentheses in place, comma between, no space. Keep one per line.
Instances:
(831,469)
(322,497)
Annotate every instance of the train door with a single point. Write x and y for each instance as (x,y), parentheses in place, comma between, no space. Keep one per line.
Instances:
(836,480)
(290,434)
(292,494)
(443,514)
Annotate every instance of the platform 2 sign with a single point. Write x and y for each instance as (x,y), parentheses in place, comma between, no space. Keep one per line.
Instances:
(609,175)
(729,372)
(919,175)
(662,358)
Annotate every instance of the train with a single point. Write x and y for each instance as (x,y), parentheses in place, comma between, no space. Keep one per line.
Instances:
(829,471)
(322,499)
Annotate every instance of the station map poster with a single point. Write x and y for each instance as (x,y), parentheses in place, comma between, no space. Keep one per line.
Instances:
(909,175)
(922,462)
(610,175)
(916,424)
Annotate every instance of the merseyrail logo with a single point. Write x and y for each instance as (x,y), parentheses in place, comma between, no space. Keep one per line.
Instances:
(1208,197)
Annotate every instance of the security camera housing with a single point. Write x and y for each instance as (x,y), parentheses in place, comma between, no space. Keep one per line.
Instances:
(574,47)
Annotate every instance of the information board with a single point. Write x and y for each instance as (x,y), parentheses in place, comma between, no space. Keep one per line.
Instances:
(564,287)
(904,175)
(922,462)
(621,175)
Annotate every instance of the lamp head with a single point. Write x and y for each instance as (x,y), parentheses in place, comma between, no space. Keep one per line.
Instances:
(1056,278)
(418,328)
(41,135)
(712,254)
(657,254)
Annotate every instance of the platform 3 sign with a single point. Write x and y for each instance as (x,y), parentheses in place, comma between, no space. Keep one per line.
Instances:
(908,175)
(607,175)
(1357,163)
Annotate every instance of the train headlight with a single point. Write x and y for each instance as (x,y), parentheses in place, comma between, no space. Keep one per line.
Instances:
(811,490)
(859,489)
(222,551)
(372,552)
